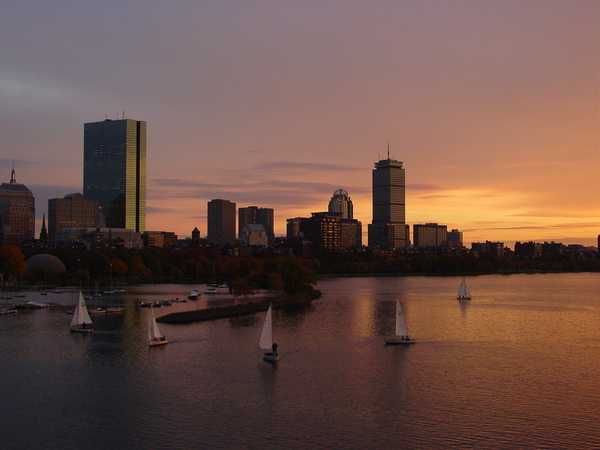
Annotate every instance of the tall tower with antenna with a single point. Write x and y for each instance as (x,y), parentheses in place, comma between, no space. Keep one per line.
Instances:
(388,229)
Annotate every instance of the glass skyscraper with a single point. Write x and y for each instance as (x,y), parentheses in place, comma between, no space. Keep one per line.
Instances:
(388,229)
(114,171)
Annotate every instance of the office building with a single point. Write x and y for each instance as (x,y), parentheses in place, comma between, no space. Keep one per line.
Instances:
(388,229)
(493,249)
(221,222)
(455,239)
(17,212)
(340,203)
(429,235)
(114,171)
(253,215)
(160,239)
(72,211)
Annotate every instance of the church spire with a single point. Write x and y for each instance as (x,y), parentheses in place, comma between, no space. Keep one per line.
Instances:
(13,177)
(44,232)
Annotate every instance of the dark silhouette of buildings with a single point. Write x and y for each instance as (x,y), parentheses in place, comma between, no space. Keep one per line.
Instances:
(221,222)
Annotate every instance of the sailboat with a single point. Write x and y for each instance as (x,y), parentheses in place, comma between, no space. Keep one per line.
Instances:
(401,331)
(266,338)
(81,322)
(463,291)
(155,337)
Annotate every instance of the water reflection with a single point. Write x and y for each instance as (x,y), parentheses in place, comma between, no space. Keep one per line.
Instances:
(486,373)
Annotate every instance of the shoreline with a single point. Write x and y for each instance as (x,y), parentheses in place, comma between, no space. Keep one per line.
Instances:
(286,302)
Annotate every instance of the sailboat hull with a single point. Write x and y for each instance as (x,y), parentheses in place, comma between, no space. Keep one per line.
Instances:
(398,341)
(270,357)
(76,329)
(157,343)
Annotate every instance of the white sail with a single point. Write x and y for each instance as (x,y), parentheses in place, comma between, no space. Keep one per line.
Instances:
(463,290)
(266,337)
(153,330)
(81,315)
(400,323)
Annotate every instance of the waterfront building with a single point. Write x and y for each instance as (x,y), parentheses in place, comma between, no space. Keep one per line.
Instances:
(72,211)
(221,222)
(17,212)
(350,233)
(114,171)
(455,239)
(429,235)
(341,203)
(388,229)
(196,237)
(528,249)
(254,234)
(160,239)
(253,215)
(99,237)
(493,249)
(293,228)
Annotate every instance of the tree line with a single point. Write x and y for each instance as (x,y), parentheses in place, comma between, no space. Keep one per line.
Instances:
(270,270)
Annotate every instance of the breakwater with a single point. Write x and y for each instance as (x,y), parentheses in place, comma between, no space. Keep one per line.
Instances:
(284,302)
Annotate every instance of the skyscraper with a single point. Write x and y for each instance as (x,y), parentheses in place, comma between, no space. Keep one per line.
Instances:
(221,222)
(114,171)
(17,212)
(341,203)
(388,229)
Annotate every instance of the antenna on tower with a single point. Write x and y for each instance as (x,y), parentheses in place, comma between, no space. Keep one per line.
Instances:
(123,114)
(388,149)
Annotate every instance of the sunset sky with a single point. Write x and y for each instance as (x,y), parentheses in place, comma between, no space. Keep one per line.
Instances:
(493,106)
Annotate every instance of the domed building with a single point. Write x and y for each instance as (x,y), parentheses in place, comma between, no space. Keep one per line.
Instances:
(45,262)
(341,203)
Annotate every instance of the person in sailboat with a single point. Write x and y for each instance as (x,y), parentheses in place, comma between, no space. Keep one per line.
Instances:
(274,347)
(83,325)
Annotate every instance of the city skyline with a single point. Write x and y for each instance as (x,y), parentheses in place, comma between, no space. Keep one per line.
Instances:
(491,107)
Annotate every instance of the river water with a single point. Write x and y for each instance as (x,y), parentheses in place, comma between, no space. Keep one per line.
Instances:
(516,367)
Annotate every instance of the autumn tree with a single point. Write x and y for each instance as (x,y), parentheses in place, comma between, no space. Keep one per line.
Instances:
(12,262)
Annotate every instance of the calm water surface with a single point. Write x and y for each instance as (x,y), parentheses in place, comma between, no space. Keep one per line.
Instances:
(517,367)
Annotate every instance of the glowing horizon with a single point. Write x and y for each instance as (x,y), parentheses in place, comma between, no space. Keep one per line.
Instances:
(492,108)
